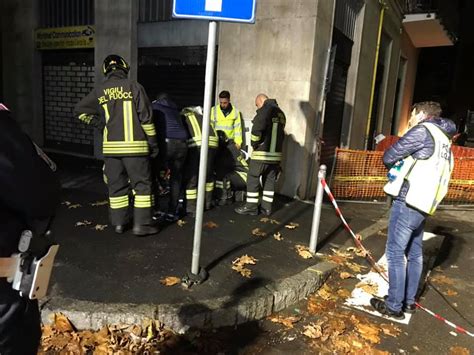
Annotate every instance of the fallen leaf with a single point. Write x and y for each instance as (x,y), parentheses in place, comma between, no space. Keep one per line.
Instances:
(442,280)
(62,323)
(100,203)
(77,205)
(269,220)
(458,350)
(369,332)
(245,272)
(67,203)
(170,281)
(286,321)
(312,331)
(345,275)
(450,293)
(277,236)
(100,227)
(368,287)
(258,232)
(344,293)
(325,292)
(391,330)
(355,267)
(292,225)
(210,225)
(180,222)
(245,259)
(342,254)
(337,259)
(303,251)
(382,233)
(83,223)
(416,348)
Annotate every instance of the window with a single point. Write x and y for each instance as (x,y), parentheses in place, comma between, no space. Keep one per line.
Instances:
(64,13)
(155,10)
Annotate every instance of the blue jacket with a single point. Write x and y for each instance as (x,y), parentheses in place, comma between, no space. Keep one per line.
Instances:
(418,143)
(168,121)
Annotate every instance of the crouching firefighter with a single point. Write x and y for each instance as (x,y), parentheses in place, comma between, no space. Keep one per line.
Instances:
(231,171)
(193,119)
(129,140)
(267,141)
(29,195)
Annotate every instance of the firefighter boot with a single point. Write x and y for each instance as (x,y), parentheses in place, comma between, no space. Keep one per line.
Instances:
(141,230)
(247,209)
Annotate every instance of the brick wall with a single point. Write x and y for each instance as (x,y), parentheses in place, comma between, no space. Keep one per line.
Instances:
(64,86)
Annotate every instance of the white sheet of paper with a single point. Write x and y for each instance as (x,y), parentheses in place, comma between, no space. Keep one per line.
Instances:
(213,5)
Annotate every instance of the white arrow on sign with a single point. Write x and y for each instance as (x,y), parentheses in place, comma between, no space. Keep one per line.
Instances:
(213,5)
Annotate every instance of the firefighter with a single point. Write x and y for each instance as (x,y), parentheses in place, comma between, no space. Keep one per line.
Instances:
(129,139)
(226,118)
(267,141)
(193,119)
(231,170)
(29,196)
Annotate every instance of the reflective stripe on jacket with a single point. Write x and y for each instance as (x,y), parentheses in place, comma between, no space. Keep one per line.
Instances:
(230,124)
(194,122)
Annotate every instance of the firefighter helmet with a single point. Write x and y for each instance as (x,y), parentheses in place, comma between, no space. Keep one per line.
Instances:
(222,137)
(113,62)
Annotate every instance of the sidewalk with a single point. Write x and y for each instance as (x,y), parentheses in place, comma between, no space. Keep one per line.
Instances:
(101,277)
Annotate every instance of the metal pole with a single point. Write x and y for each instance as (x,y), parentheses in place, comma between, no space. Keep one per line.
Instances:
(317,210)
(211,57)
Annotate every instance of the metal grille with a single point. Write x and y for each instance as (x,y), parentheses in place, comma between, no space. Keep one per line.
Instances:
(155,10)
(346,16)
(63,13)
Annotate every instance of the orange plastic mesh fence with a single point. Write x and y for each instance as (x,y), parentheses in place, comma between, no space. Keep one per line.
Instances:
(361,175)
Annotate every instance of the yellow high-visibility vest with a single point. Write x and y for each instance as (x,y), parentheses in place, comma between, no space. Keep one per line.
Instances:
(230,124)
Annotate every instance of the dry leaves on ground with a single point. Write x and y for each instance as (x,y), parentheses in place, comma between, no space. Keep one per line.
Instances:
(100,203)
(325,292)
(292,225)
(269,220)
(60,337)
(170,281)
(458,350)
(390,329)
(66,203)
(277,236)
(258,232)
(83,223)
(442,280)
(345,275)
(77,205)
(355,267)
(239,265)
(180,222)
(286,321)
(313,331)
(450,293)
(367,286)
(210,225)
(359,252)
(100,227)
(303,251)
(369,332)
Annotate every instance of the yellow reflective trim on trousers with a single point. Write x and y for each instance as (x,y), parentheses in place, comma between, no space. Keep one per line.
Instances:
(119,198)
(267,199)
(269,193)
(252,200)
(252,194)
(118,202)
(254,138)
(209,186)
(273,141)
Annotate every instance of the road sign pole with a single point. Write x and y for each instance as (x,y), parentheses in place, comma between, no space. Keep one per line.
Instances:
(209,84)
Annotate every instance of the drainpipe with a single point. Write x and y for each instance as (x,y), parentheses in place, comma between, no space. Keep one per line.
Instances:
(383,5)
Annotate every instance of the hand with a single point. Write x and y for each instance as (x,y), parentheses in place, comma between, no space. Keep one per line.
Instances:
(154,151)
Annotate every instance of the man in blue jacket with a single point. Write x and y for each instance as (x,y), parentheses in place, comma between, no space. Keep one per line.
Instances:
(425,153)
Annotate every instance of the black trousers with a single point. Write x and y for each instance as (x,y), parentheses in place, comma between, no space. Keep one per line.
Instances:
(123,173)
(174,158)
(230,182)
(192,174)
(20,330)
(268,173)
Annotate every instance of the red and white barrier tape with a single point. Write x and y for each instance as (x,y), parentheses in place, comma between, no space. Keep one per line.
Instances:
(374,264)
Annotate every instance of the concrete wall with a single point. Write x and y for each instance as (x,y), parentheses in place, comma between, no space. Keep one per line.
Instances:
(173,33)
(116,33)
(280,55)
(411,53)
(366,60)
(22,82)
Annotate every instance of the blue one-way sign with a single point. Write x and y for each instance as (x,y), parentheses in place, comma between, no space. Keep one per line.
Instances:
(216,10)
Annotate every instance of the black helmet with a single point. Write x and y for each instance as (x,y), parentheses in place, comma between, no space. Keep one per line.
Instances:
(113,62)
(222,137)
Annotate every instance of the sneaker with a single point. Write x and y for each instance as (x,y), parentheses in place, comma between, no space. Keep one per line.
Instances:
(171,217)
(265,212)
(246,209)
(381,307)
(409,308)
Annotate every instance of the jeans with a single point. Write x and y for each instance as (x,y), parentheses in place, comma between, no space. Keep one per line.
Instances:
(405,239)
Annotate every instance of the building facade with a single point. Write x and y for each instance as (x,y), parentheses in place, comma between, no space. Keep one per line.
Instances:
(284,54)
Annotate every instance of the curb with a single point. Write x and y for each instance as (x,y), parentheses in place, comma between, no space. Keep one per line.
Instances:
(215,313)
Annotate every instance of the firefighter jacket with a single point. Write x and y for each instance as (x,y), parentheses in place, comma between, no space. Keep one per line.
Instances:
(230,159)
(193,119)
(230,124)
(127,113)
(267,134)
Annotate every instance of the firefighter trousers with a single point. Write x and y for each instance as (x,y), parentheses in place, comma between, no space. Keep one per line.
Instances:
(230,182)
(122,174)
(192,174)
(268,174)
